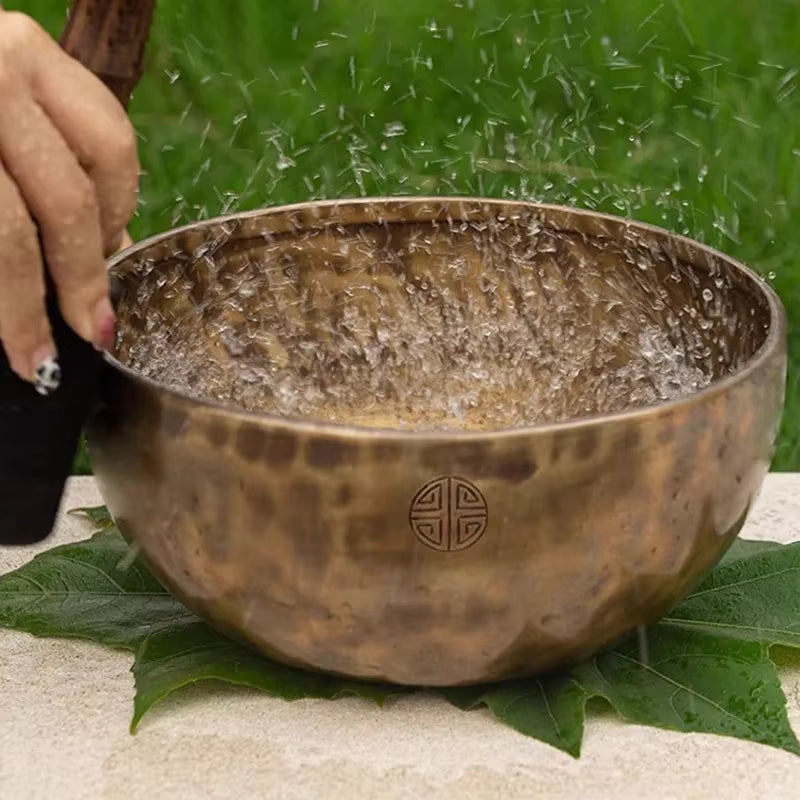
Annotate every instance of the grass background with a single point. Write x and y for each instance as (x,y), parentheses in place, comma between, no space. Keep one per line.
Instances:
(681,113)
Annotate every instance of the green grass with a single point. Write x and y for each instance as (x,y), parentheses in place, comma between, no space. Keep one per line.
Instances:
(681,113)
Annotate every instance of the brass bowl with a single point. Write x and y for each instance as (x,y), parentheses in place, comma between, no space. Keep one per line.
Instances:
(435,441)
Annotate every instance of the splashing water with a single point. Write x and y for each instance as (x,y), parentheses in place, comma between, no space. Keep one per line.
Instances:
(490,323)
(624,108)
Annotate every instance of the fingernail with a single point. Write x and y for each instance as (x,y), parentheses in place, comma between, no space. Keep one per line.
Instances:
(46,371)
(104,321)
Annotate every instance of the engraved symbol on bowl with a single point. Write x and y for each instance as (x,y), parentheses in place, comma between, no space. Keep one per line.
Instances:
(448,514)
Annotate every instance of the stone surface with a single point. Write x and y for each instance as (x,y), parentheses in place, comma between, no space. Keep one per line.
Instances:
(65,708)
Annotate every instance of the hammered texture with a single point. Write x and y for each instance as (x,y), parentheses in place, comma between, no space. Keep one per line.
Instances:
(439,558)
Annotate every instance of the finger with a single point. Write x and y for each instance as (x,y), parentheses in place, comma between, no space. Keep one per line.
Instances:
(122,242)
(24,326)
(125,241)
(86,113)
(62,200)
(97,129)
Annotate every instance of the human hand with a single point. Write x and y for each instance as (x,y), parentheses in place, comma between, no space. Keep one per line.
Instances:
(69,167)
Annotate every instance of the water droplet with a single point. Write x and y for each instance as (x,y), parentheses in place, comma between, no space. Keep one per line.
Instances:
(393,129)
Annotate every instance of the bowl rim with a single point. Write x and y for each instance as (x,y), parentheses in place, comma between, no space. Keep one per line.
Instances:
(774,342)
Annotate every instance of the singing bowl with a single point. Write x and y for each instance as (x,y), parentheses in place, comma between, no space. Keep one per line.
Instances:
(434,441)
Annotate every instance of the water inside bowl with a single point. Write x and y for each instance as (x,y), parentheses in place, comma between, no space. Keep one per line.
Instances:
(455,324)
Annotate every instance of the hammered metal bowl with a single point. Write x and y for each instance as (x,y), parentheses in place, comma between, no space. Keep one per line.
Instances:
(434,441)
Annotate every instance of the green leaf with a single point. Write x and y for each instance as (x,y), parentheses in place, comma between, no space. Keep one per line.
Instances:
(190,652)
(97,514)
(753,594)
(550,709)
(94,590)
(693,681)
(706,666)
(89,589)
(745,548)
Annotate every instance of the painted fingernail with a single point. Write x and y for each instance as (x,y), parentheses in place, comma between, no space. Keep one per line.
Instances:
(46,372)
(104,321)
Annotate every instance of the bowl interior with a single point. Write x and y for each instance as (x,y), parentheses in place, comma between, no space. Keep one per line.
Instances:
(433,315)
